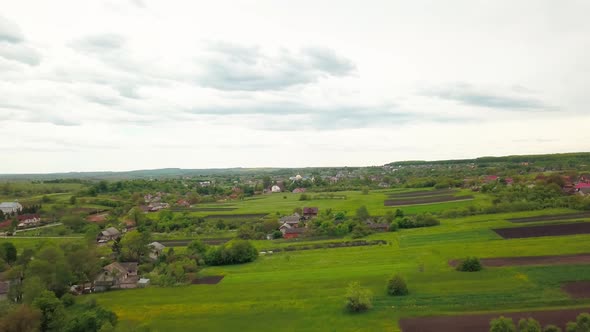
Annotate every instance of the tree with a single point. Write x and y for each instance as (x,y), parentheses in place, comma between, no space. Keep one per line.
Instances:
(582,324)
(32,287)
(75,222)
(529,325)
(502,324)
(21,319)
(8,252)
(73,200)
(52,311)
(551,328)
(470,264)
(362,213)
(358,299)
(134,245)
(396,286)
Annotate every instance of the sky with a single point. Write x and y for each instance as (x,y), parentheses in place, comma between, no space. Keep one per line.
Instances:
(142,84)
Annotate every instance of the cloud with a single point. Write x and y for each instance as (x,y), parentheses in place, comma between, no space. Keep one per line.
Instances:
(10,32)
(516,98)
(21,53)
(235,67)
(98,44)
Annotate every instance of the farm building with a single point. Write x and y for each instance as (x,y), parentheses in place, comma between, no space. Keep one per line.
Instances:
(28,220)
(10,207)
(275,189)
(292,220)
(377,227)
(116,276)
(143,282)
(291,233)
(108,234)
(310,212)
(156,249)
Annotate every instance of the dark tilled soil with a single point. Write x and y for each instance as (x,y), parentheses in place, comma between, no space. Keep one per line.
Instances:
(481,323)
(423,193)
(545,230)
(425,200)
(577,289)
(212,280)
(532,260)
(564,216)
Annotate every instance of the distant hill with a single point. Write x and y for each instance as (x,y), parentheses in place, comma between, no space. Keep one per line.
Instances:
(576,158)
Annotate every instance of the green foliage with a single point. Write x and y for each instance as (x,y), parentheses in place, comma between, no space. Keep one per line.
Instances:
(582,324)
(8,252)
(21,318)
(52,310)
(502,324)
(529,325)
(68,300)
(551,328)
(134,245)
(358,299)
(362,213)
(396,286)
(232,252)
(419,220)
(469,264)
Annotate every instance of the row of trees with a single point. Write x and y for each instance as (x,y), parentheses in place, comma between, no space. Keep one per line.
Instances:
(504,324)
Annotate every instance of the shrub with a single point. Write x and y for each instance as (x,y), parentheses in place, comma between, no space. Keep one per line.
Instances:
(502,324)
(582,324)
(529,325)
(393,227)
(232,252)
(67,299)
(396,286)
(551,328)
(470,264)
(358,299)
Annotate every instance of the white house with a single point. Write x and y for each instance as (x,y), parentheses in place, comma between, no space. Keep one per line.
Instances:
(275,189)
(10,207)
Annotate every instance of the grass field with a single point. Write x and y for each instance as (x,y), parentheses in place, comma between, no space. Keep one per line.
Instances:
(303,290)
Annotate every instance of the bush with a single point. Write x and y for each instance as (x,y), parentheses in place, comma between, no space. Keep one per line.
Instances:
(393,227)
(502,324)
(358,299)
(551,328)
(396,286)
(470,264)
(67,300)
(582,324)
(232,252)
(529,325)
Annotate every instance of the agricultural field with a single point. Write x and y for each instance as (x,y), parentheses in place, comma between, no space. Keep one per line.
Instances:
(304,289)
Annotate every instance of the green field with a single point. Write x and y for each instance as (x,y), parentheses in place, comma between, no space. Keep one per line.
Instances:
(303,290)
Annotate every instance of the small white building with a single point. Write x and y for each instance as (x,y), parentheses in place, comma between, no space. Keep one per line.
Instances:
(275,189)
(10,207)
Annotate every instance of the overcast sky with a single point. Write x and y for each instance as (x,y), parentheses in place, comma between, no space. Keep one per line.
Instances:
(121,85)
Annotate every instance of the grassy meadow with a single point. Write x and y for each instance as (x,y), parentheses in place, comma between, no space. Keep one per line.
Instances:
(304,290)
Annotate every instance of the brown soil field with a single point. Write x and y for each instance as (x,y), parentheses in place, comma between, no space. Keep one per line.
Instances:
(545,230)
(481,323)
(563,216)
(423,193)
(212,280)
(532,260)
(577,289)
(425,200)
(97,217)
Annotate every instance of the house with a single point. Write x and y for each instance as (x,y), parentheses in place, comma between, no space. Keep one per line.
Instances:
(10,207)
(310,212)
(28,220)
(157,206)
(292,220)
(582,188)
(275,189)
(291,233)
(107,235)
(4,288)
(116,276)
(299,190)
(156,249)
(490,178)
